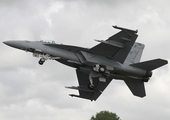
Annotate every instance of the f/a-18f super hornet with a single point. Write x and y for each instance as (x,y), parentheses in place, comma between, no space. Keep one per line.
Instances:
(115,58)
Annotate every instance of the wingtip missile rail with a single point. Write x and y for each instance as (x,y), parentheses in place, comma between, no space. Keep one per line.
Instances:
(125,29)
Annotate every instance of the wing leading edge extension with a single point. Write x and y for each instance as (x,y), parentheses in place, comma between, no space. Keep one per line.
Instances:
(117,46)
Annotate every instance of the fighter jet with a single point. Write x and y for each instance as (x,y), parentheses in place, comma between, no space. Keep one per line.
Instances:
(115,58)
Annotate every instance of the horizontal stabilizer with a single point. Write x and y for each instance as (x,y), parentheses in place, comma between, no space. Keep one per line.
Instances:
(150,65)
(137,88)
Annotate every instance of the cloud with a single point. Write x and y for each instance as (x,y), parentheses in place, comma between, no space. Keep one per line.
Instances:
(30,91)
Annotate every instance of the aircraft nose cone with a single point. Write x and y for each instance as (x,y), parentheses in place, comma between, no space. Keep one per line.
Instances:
(11,43)
(6,42)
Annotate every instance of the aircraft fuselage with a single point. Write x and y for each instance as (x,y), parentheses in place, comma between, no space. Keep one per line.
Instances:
(78,57)
(117,57)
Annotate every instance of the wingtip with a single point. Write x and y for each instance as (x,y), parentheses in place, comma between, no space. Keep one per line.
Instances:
(5,42)
(125,29)
(115,26)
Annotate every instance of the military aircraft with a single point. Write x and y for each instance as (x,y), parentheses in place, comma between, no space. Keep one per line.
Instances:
(115,58)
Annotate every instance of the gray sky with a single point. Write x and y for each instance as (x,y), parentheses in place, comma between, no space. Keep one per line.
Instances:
(29,91)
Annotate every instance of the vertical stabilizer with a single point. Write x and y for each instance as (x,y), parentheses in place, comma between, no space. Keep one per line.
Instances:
(135,54)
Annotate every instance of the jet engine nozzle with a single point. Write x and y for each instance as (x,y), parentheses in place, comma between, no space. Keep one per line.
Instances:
(148,74)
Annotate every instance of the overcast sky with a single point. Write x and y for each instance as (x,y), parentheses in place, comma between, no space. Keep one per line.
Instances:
(29,91)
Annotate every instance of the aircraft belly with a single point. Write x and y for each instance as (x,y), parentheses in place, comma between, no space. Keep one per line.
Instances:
(91,60)
(66,55)
(131,71)
(125,77)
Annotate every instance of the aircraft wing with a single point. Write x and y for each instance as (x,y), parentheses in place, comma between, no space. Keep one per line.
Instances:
(84,91)
(117,46)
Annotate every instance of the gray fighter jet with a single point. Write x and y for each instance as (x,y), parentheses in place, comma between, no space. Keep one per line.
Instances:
(115,58)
